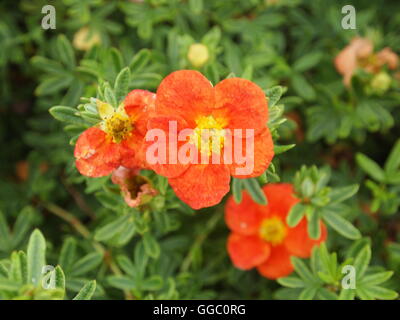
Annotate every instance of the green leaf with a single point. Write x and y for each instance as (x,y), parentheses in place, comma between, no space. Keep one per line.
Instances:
(47,65)
(376,278)
(302,270)
(122,282)
(87,263)
(9,285)
(65,51)
(109,96)
(126,265)
(122,84)
(255,190)
(196,6)
(314,226)
(66,114)
(370,167)
(3,271)
(153,283)
(87,291)
(302,87)
(347,294)
(291,282)
(308,293)
(237,189)
(307,187)
(111,229)
(140,60)
(54,84)
(282,149)
(362,260)
(307,61)
(296,213)
(381,293)
(67,254)
(325,294)
(4,233)
(36,256)
(340,194)
(59,278)
(273,94)
(393,161)
(341,225)
(15,271)
(151,245)
(22,225)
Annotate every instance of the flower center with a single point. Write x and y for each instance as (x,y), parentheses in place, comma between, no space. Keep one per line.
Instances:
(273,230)
(118,126)
(209,134)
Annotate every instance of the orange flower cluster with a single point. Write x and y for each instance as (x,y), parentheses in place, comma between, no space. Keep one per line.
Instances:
(187,98)
(359,54)
(261,238)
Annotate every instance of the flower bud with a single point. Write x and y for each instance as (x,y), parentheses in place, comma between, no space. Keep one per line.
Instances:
(85,39)
(380,83)
(198,54)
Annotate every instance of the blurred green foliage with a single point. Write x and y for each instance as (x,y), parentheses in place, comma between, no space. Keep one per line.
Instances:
(165,250)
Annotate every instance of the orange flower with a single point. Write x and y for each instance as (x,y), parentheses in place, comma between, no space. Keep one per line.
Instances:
(187,98)
(115,140)
(347,61)
(136,189)
(359,54)
(260,236)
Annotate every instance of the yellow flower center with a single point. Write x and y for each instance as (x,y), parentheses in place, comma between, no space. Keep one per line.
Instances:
(118,127)
(209,134)
(116,123)
(273,230)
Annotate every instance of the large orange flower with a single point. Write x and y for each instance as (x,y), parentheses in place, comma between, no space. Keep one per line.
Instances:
(260,236)
(117,139)
(188,99)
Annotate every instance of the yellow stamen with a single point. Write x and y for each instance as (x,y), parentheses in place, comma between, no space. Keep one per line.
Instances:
(116,123)
(273,230)
(209,134)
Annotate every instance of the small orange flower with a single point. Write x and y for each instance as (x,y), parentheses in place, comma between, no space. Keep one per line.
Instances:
(189,99)
(136,189)
(359,54)
(260,236)
(347,61)
(115,141)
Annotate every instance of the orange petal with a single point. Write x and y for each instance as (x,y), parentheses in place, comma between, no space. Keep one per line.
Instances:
(202,185)
(387,56)
(242,103)
(277,265)
(171,167)
(131,150)
(258,159)
(95,155)
(247,252)
(186,93)
(280,199)
(244,218)
(139,105)
(299,243)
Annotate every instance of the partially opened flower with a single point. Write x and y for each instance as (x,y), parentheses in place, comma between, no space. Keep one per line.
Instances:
(348,60)
(136,189)
(117,139)
(260,237)
(187,102)
(359,54)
